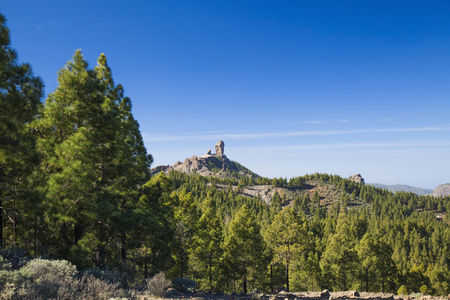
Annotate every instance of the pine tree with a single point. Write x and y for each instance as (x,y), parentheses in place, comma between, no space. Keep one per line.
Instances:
(244,248)
(94,162)
(207,250)
(339,261)
(285,237)
(185,222)
(149,232)
(20,95)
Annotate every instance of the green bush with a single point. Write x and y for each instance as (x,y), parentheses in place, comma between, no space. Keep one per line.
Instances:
(51,271)
(57,279)
(402,290)
(424,289)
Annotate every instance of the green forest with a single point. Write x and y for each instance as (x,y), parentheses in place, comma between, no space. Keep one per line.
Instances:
(76,188)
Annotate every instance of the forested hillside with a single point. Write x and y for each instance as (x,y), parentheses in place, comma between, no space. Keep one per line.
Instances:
(76,185)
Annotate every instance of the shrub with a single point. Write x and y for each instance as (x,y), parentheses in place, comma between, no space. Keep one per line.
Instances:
(402,290)
(424,289)
(90,288)
(16,257)
(157,285)
(103,274)
(184,285)
(51,271)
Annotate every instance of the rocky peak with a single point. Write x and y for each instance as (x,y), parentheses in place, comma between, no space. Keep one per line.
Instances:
(208,165)
(357,178)
(220,148)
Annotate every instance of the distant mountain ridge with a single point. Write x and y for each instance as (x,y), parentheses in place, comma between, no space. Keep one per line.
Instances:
(402,188)
(440,191)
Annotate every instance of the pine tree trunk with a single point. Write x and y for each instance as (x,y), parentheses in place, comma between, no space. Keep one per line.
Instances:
(271,278)
(35,235)
(367,280)
(245,284)
(2,244)
(287,277)
(124,248)
(145,268)
(210,272)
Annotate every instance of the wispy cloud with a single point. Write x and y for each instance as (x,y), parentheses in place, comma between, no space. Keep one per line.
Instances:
(272,135)
(47,24)
(296,148)
(50,23)
(205,132)
(324,122)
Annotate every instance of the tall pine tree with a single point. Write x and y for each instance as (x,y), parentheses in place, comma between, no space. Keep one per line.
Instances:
(285,237)
(20,95)
(94,163)
(244,249)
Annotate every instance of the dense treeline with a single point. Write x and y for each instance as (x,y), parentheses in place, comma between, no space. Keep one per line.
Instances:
(393,241)
(75,185)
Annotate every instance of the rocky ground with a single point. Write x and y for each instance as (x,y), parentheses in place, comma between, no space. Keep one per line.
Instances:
(324,295)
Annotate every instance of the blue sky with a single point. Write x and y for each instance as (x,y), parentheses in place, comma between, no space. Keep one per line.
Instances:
(292,87)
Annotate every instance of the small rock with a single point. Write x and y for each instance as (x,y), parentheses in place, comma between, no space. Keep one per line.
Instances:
(354,293)
(325,294)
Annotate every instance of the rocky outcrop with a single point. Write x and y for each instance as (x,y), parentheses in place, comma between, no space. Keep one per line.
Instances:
(442,190)
(357,178)
(217,165)
(220,148)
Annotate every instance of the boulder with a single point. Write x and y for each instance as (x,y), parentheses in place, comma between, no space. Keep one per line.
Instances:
(220,148)
(209,152)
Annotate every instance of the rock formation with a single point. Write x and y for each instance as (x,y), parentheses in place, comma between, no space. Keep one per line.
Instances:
(357,178)
(442,190)
(220,148)
(217,165)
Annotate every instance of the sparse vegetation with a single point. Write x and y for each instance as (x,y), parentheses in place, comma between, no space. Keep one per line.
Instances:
(157,285)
